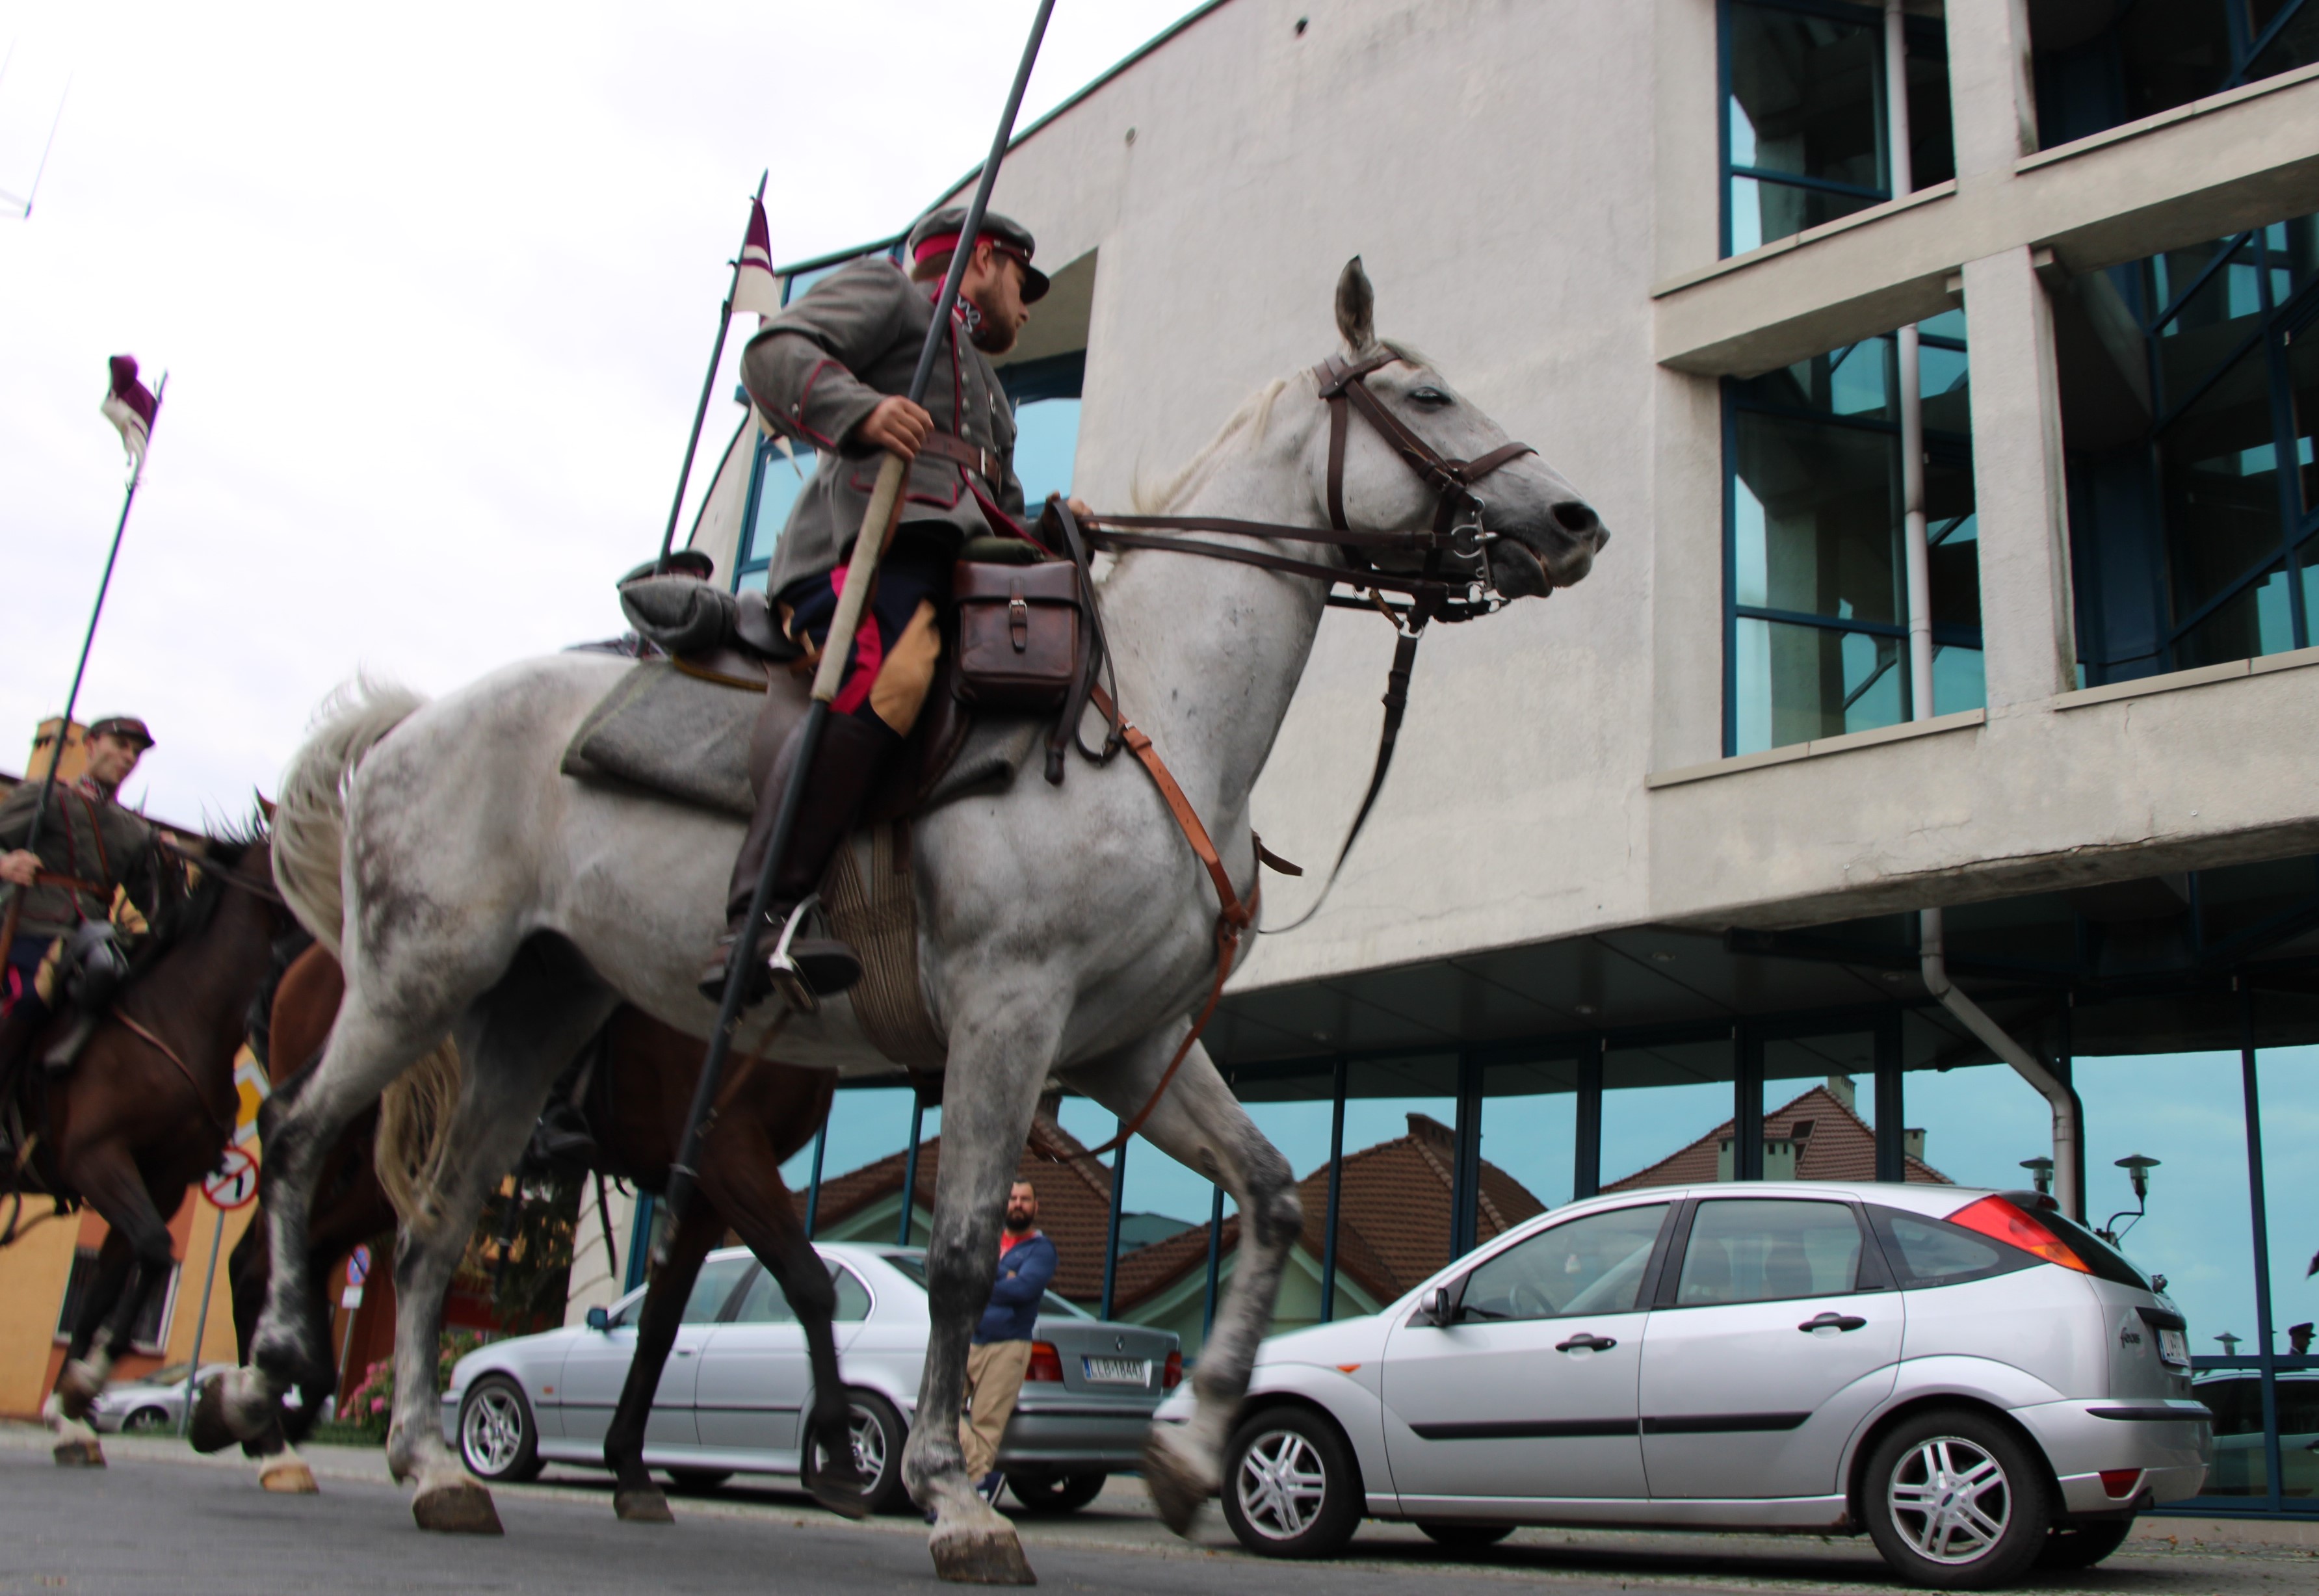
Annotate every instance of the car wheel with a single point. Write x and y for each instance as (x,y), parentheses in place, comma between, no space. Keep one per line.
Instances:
(1457,1535)
(1290,1486)
(497,1438)
(146,1421)
(2081,1545)
(696,1480)
(1056,1493)
(877,1434)
(1955,1501)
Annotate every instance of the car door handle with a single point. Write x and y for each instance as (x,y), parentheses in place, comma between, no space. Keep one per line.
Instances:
(1585,1341)
(1841,1321)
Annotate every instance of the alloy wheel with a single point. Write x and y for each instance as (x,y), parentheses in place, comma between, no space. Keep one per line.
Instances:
(1281,1483)
(1951,1500)
(490,1432)
(869,1437)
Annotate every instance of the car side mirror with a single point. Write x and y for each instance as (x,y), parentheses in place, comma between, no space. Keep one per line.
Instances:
(1440,1305)
(598,1319)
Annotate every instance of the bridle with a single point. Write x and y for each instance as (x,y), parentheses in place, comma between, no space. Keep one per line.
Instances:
(1459,534)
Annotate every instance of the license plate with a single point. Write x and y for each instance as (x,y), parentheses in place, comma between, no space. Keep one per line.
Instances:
(1117,1371)
(2174,1347)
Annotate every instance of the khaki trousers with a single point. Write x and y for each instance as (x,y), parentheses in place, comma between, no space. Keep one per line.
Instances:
(994,1379)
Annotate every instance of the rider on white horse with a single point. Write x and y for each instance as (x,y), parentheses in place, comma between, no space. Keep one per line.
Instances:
(832,370)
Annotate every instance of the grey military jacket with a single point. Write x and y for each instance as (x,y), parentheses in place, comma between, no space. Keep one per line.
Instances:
(88,847)
(822,365)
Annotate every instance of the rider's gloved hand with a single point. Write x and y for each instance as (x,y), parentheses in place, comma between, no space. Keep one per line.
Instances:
(896,426)
(21,867)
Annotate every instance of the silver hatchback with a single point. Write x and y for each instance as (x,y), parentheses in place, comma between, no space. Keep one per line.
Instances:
(737,1386)
(1978,1382)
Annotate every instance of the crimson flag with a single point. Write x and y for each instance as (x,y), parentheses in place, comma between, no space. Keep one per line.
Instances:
(755,287)
(129,405)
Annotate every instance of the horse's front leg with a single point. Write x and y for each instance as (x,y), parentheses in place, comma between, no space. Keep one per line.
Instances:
(1198,1123)
(1001,1052)
(85,1370)
(634,1497)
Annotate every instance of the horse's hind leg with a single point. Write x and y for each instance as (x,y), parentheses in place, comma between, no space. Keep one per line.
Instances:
(1201,1124)
(634,1497)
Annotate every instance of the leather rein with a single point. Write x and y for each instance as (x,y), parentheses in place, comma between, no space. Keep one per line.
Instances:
(1457,533)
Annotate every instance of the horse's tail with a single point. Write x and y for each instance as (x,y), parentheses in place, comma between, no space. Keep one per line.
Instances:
(309,820)
(414,1126)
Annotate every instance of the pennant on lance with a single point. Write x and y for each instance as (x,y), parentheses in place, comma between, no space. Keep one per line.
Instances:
(754,286)
(130,407)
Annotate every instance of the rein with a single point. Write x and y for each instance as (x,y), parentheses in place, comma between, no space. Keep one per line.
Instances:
(144,1033)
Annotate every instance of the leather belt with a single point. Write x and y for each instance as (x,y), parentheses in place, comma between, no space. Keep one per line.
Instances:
(943,446)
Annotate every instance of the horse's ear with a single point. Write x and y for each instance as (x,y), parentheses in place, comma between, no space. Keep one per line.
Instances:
(1355,308)
(265,806)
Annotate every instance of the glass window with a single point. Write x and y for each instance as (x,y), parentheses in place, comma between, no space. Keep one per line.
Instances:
(2098,66)
(1593,1265)
(764,1303)
(1664,1108)
(712,1286)
(82,1280)
(1764,1249)
(1929,1252)
(779,476)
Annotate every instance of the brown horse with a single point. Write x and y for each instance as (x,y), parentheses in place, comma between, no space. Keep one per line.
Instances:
(147,1108)
(638,1092)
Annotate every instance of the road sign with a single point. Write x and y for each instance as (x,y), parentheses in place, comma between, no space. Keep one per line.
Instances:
(251,1089)
(234,1184)
(358,1265)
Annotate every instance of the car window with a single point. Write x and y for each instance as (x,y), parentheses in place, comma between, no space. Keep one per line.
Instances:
(1593,1265)
(624,1315)
(1933,1252)
(712,1285)
(2236,1402)
(1759,1249)
(1056,1307)
(764,1304)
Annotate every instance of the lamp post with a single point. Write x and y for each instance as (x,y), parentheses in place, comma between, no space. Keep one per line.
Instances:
(2041,1170)
(2137,1169)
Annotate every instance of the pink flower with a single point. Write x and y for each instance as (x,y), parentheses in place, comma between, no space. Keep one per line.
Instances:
(378,1405)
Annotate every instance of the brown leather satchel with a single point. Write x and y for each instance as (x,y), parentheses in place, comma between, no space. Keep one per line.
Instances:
(1021,633)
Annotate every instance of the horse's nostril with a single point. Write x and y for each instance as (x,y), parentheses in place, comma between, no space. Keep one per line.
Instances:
(1575,516)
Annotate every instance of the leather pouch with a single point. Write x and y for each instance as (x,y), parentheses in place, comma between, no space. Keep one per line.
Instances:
(1021,633)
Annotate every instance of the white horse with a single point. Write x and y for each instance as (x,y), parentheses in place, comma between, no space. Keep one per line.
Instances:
(1064,931)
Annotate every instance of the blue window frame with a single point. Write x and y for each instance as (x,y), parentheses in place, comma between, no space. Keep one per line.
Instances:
(2194,545)
(2150,55)
(1803,129)
(1815,615)
(1045,393)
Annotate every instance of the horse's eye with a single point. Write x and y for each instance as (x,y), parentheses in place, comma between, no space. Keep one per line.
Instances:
(1432,398)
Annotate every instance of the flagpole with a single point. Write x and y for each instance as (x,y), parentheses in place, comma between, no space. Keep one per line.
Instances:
(707,385)
(72,699)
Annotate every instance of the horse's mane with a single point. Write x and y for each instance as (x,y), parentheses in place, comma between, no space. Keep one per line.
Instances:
(1242,431)
(188,913)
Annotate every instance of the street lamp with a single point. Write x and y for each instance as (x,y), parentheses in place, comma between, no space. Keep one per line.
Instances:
(2137,1169)
(2041,1170)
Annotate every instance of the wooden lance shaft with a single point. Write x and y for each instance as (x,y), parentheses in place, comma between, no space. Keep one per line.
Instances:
(878,522)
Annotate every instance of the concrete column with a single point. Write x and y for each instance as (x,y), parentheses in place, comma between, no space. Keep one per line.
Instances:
(1993,93)
(2026,630)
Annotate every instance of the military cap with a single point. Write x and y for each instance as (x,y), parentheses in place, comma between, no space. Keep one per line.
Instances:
(938,235)
(682,562)
(128,729)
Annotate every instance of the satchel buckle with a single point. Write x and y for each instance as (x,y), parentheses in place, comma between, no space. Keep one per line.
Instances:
(1018,619)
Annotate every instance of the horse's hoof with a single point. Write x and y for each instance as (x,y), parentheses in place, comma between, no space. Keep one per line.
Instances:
(841,1494)
(78,1455)
(77,1389)
(288,1477)
(210,1432)
(1177,1488)
(647,1506)
(980,1557)
(460,1508)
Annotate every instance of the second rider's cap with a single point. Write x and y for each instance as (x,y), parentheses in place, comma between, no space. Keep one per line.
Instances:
(938,235)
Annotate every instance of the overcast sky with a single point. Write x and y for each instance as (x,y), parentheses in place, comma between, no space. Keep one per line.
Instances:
(435,287)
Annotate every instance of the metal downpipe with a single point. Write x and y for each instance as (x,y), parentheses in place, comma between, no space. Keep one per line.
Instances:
(1933,954)
(1909,381)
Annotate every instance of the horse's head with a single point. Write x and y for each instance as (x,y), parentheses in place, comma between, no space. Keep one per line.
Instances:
(1538,531)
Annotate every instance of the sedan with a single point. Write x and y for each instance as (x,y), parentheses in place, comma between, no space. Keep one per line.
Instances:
(738,1387)
(1978,1382)
(149,1406)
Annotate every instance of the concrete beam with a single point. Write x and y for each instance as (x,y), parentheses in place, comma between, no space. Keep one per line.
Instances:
(2216,167)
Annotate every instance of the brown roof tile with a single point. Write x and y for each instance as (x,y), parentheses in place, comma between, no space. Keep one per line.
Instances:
(1838,1144)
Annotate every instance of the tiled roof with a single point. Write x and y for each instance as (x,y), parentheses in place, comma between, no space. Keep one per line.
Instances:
(1832,1143)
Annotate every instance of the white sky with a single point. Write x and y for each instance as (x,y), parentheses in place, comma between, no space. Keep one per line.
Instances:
(435,288)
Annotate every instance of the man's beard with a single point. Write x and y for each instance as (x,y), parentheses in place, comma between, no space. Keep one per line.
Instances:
(983,332)
(1017,1223)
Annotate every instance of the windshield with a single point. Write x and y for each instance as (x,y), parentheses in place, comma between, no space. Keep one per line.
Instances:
(914,1265)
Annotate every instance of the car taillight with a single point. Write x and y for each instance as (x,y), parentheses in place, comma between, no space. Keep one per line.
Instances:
(1999,1220)
(2120,1482)
(1171,1373)
(1046,1363)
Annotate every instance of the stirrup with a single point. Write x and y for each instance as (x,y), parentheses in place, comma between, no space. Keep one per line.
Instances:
(788,979)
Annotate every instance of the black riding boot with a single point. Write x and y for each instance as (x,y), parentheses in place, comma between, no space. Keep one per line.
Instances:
(18,1030)
(851,754)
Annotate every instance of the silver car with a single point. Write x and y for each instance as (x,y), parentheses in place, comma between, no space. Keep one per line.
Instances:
(1978,1382)
(737,1385)
(151,1405)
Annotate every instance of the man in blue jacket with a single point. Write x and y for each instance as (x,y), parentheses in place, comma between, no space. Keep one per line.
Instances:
(1001,1353)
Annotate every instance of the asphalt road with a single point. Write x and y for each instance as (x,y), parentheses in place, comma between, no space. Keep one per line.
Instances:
(160,1520)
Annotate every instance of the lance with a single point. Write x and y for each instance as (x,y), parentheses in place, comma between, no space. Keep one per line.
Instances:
(877,524)
(707,385)
(64,729)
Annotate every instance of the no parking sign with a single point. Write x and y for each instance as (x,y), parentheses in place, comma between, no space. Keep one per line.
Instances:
(234,1183)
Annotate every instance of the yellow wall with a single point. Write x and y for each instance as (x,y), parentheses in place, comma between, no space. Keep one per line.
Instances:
(32,1274)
